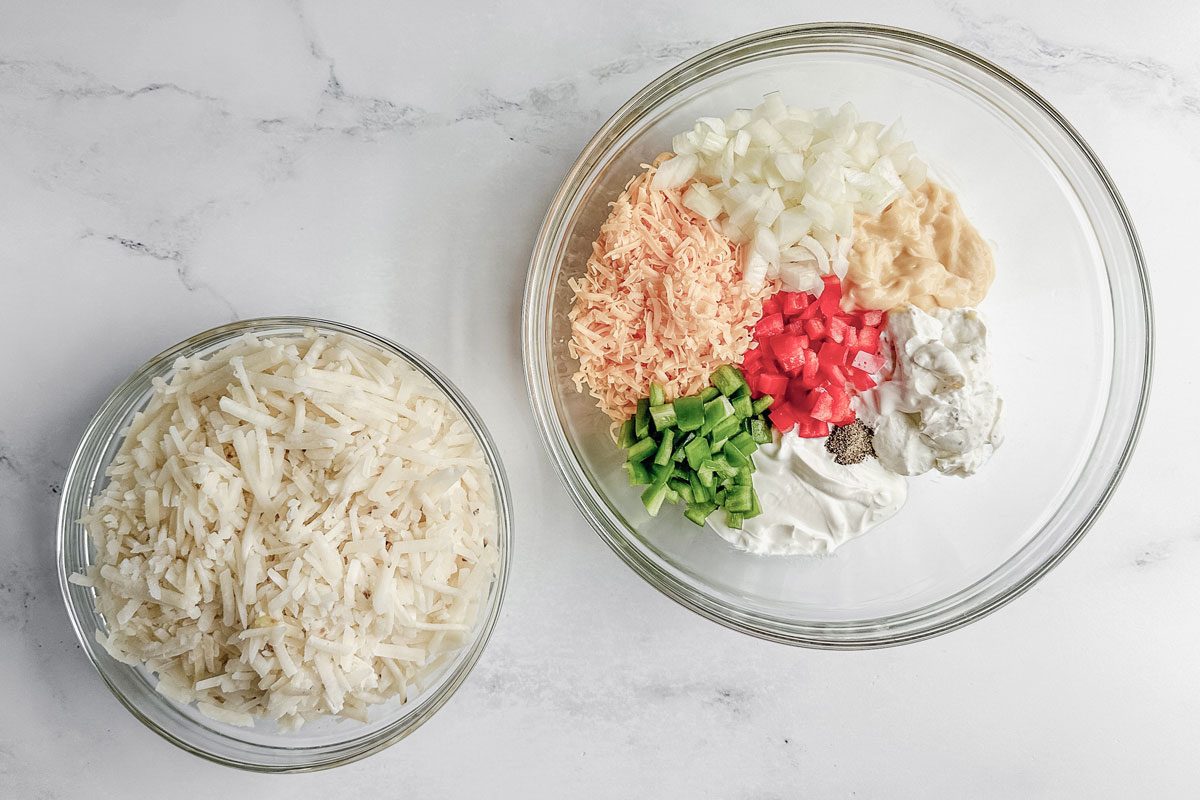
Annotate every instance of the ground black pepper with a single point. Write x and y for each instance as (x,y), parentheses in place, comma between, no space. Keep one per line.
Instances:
(851,444)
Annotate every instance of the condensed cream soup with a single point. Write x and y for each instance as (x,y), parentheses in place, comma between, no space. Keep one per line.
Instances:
(922,251)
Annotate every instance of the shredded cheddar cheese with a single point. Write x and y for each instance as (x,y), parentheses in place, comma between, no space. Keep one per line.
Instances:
(663,300)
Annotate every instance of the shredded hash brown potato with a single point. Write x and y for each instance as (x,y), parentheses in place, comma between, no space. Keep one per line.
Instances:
(663,300)
(294,527)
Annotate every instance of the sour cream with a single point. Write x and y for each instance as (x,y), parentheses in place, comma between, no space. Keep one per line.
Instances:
(938,409)
(811,504)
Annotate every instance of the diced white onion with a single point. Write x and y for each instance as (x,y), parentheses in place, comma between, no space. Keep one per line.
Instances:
(675,172)
(798,277)
(738,119)
(790,166)
(699,199)
(790,225)
(799,174)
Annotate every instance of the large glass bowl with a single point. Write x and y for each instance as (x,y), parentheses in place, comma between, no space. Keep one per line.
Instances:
(1070,332)
(264,748)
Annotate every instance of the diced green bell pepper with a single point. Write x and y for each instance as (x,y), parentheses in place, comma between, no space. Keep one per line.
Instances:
(642,449)
(653,497)
(721,466)
(665,448)
(726,428)
(663,416)
(728,379)
(641,424)
(735,456)
(626,438)
(638,474)
(743,407)
(662,474)
(697,452)
(762,404)
(716,410)
(744,442)
(689,413)
(699,512)
(681,488)
(657,395)
(755,508)
(739,499)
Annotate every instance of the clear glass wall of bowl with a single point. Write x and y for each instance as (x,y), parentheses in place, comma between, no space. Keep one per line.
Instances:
(1069,318)
(320,744)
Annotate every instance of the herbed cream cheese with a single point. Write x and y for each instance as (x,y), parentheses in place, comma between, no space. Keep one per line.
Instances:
(938,409)
(811,504)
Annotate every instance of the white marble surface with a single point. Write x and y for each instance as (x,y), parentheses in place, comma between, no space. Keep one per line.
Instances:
(165,167)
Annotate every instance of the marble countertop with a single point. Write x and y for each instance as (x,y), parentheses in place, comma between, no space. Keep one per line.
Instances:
(168,167)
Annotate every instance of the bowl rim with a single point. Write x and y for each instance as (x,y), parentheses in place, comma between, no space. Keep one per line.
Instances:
(327,755)
(537,382)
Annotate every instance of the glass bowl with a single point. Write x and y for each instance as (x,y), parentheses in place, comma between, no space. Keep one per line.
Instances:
(1070,323)
(321,743)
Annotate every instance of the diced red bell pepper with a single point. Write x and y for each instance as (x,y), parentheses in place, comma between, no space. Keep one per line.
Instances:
(833,353)
(867,362)
(831,297)
(861,380)
(752,361)
(793,303)
(809,428)
(837,329)
(773,384)
(822,407)
(833,373)
(799,397)
(770,325)
(792,366)
(782,416)
(809,378)
(756,386)
(844,419)
(842,413)
(812,357)
(785,343)
(789,353)
(868,339)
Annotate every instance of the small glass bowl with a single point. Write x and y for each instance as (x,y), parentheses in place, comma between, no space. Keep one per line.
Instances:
(1070,336)
(319,744)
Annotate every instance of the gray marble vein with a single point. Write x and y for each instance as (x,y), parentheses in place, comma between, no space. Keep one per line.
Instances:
(1129,74)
